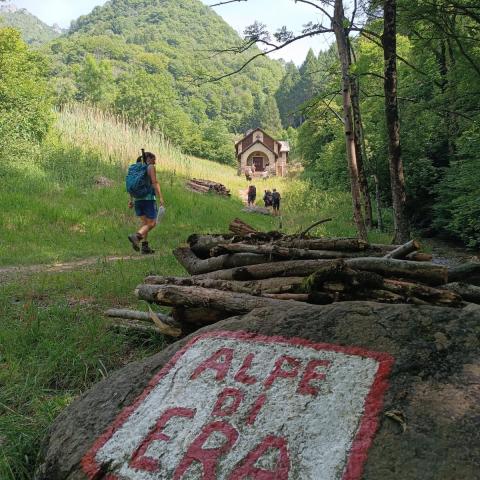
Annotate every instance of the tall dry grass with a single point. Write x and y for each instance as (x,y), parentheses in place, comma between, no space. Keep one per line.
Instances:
(119,142)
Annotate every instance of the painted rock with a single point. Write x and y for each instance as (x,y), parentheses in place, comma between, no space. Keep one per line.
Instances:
(340,392)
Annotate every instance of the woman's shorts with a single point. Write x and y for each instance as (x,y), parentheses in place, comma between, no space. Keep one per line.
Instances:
(276,205)
(147,208)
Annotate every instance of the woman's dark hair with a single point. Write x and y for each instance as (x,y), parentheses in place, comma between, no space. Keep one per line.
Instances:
(148,156)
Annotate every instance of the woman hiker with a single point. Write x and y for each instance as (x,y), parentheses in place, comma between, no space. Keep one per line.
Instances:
(146,205)
(276,202)
(251,195)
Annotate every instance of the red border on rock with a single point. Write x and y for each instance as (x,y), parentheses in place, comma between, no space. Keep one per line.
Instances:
(368,424)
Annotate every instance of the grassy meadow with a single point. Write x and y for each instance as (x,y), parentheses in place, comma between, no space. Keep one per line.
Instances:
(54,341)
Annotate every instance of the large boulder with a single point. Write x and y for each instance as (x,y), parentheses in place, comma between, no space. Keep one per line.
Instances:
(345,391)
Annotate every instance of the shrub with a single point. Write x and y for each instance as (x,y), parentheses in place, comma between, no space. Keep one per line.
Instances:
(458,196)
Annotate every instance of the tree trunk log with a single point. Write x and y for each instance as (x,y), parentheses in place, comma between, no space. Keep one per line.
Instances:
(470,293)
(431,295)
(137,315)
(192,297)
(194,187)
(254,287)
(291,268)
(466,273)
(419,257)
(202,244)
(315,298)
(239,227)
(164,323)
(299,297)
(337,272)
(208,186)
(136,325)
(338,244)
(403,250)
(280,252)
(197,266)
(198,315)
(419,271)
(376,295)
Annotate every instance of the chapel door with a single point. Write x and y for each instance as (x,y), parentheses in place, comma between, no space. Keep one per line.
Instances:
(258,163)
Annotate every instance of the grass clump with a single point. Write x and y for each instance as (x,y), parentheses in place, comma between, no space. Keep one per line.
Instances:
(55,343)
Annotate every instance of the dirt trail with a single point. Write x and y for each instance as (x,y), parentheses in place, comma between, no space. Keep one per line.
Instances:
(7,273)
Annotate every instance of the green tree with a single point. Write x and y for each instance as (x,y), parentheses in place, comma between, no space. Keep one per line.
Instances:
(95,81)
(217,142)
(288,98)
(309,76)
(25,99)
(151,100)
(268,117)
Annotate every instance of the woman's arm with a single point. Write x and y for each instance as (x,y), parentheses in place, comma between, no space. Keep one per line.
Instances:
(153,177)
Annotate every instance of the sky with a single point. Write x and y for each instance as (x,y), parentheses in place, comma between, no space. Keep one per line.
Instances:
(273,13)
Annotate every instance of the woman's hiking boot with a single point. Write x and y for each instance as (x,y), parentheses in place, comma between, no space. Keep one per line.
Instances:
(135,241)
(146,250)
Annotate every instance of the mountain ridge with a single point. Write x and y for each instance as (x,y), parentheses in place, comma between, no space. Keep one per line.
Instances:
(34,31)
(145,60)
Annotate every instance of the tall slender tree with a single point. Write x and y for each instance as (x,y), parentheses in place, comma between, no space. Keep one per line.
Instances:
(341,36)
(397,177)
(360,145)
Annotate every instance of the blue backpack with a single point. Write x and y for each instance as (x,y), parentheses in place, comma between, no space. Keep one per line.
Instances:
(138,182)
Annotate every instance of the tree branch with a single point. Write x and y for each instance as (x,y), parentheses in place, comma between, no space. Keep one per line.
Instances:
(225,2)
(318,7)
(371,74)
(338,117)
(352,18)
(274,48)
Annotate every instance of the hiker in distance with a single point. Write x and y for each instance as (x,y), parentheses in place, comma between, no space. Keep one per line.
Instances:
(267,199)
(251,195)
(276,202)
(144,190)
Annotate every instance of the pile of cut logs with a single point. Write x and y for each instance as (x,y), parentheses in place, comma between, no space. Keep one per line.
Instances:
(232,274)
(205,186)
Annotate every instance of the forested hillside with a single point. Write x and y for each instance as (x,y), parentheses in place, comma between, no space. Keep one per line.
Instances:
(34,31)
(145,59)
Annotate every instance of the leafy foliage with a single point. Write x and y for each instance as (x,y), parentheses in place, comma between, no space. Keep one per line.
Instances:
(458,206)
(25,100)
